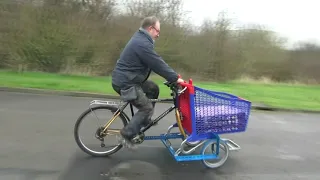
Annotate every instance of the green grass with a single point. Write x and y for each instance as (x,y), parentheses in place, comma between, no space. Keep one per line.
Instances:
(288,96)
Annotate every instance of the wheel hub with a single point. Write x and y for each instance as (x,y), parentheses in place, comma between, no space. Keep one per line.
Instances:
(99,134)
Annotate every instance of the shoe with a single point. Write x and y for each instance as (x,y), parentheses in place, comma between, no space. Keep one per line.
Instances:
(125,139)
(126,143)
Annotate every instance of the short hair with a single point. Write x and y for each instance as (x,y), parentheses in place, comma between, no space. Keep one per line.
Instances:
(149,21)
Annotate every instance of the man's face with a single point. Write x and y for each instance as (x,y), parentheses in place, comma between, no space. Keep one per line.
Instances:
(154,31)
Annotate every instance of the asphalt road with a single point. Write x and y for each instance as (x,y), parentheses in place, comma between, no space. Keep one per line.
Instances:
(36,135)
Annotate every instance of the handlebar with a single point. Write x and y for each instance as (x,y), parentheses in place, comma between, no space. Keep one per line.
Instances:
(176,87)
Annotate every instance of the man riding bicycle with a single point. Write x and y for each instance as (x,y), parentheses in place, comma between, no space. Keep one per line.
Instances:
(129,77)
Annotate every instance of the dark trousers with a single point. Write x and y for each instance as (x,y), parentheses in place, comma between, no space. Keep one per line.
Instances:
(148,90)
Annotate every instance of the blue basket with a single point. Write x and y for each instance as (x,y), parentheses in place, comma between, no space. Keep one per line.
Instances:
(217,113)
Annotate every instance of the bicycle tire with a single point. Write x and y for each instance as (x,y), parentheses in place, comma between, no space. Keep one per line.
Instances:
(124,119)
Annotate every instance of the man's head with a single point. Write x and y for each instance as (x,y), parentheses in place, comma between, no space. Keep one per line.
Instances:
(152,25)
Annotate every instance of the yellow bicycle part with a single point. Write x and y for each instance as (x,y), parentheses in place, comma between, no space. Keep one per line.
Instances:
(178,119)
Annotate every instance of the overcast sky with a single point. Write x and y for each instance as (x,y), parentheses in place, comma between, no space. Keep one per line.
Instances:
(296,19)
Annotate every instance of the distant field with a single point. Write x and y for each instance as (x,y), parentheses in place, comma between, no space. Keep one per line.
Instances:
(277,95)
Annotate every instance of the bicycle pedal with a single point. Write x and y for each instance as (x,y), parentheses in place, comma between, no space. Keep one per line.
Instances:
(138,139)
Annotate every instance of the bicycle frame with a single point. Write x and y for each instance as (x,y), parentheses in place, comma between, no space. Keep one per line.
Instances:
(155,121)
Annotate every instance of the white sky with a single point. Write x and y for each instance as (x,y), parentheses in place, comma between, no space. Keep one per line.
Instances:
(296,20)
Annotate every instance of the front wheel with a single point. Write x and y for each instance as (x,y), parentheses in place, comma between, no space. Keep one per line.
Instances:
(95,131)
(193,143)
(222,157)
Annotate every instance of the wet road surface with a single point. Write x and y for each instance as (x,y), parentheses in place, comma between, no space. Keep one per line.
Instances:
(36,135)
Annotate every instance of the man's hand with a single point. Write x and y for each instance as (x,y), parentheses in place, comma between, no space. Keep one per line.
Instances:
(180,80)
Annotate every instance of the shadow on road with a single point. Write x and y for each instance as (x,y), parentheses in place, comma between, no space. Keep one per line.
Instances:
(144,163)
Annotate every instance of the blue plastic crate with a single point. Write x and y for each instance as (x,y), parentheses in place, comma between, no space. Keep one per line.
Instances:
(218,113)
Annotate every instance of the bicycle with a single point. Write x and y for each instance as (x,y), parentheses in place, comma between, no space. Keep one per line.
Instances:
(197,123)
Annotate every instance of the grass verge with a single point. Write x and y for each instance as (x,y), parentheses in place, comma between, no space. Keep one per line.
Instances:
(288,96)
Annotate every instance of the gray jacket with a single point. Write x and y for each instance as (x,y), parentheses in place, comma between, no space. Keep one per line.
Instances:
(137,60)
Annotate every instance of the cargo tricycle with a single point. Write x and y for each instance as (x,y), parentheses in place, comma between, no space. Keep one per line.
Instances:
(201,117)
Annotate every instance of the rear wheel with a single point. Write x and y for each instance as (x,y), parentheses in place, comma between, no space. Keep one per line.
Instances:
(95,131)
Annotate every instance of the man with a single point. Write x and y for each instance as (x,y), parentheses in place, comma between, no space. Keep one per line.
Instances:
(129,77)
